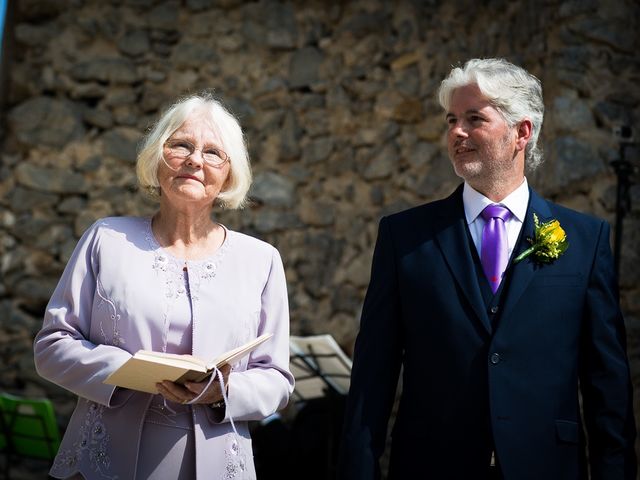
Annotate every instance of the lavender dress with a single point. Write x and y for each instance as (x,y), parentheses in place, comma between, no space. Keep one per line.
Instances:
(119,293)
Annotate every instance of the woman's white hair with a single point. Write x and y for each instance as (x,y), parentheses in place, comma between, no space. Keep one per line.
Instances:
(513,91)
(222,123)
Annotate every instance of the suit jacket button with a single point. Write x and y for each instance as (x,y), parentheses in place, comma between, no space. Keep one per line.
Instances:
(495,358)
(494,310)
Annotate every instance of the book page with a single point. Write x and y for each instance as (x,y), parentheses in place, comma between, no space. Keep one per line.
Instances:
(142,375)
(232,356)
(176,359)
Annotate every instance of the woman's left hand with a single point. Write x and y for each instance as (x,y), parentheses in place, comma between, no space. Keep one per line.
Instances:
(177,393)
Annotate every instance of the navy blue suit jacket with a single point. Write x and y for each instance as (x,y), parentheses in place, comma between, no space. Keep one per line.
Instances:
(467,384)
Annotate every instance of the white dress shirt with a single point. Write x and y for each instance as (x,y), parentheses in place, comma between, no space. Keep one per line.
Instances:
(474,202)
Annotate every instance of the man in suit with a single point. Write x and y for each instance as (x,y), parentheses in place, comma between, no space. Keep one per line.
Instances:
(494,353)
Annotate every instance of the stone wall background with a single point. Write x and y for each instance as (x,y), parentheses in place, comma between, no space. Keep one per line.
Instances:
(338,103)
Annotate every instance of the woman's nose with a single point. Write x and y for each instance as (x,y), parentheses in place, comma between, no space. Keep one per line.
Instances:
(196,158)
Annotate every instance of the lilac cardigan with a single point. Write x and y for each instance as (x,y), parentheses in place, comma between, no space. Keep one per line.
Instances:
(112,300)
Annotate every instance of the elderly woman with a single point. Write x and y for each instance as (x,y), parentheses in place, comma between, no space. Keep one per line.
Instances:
(177,282)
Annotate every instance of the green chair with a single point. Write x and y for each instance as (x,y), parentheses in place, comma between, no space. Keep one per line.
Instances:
(29,428)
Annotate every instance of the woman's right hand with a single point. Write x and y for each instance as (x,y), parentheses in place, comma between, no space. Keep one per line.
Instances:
(177,393)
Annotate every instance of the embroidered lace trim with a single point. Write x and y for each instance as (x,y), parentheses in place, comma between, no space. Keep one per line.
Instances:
(93,440)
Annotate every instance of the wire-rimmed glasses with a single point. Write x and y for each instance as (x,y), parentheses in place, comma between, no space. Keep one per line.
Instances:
(183,149)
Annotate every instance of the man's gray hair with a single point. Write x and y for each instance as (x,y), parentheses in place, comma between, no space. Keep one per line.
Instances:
(513,91)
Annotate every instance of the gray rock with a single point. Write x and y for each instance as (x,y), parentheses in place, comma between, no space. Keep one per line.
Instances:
(89,163)
(49,179)
(34,35)
(317,213)
(571,114)
(164,16)
(376,196)
(23,200)
(51,237)
(46,121)
(126,115)
(304,67)
(573,159)
(120,96)
(383,163)
(299,173)
(72,205)
(274,189)
(98,118)
(121,144)
(269,221)
(613,32)
(317,150)
(135,43)
(407,81)
(322,252)
(280,25)
(291,134)
(570,9)
(362,24)
(153,99)
(193,55)
(422,153)
(316,122)
(156,76)
(346,298)
(438,180)
(106,70)
(87,91)
(613,114)
(199,5)
(35,293)
(27,229)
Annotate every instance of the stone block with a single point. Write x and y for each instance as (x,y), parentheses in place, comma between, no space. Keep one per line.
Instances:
(48,179)
(271,188)
(45,121)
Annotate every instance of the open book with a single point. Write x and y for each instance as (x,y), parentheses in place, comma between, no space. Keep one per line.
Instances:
(146,368)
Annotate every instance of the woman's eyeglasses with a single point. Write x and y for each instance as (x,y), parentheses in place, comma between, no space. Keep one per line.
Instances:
(183,149)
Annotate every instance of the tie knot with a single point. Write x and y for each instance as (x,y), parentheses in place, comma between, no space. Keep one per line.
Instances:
(495,211)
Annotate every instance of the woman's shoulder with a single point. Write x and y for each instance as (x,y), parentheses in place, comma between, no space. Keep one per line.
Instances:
(118,227)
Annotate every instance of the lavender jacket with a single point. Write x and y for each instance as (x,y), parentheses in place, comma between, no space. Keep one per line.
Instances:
(113,299)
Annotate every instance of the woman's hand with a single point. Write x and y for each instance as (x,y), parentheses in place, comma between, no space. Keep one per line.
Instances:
(177,393)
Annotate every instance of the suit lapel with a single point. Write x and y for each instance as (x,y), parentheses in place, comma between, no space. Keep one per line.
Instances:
(522,273)
(453,241)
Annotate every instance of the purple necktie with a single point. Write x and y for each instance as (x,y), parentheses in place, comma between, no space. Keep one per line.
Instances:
(495,250)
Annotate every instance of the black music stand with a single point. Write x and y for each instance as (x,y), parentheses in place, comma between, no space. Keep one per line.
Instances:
(319,366)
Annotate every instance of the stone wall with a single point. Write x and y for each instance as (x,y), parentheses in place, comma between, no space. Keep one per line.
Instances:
(338,103)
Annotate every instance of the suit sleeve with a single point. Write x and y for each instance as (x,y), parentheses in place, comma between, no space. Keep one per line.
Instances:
(376,365)
(604,374)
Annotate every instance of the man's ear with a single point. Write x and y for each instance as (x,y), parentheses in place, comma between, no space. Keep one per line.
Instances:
(524,132)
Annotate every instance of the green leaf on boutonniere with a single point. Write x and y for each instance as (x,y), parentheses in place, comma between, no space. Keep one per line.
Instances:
(548,243)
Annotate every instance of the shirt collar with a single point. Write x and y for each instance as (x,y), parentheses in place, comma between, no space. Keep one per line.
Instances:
(474,202)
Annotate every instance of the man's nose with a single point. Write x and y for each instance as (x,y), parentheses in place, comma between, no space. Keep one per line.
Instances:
(459,129)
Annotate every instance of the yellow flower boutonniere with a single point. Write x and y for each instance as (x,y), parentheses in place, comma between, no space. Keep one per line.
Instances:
(548,243)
